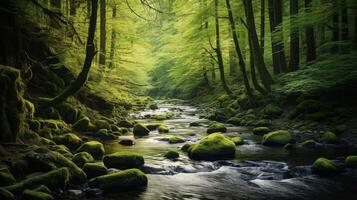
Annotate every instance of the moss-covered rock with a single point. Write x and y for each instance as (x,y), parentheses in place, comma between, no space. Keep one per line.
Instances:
(234,120)
(125,123)
(120,181)
(140,130)
(6,195)
(46,133)
(195,124)
(95,148)
(324,166)
(309,143)
(187,147)
(261,130)
(171,154)
(35,195)
(175,140)
(329,137)
(351,161)
(114,127)
(260,122)
(62,150)
(169,115)
(95,169)
(6,178)
(164,129)
(213,147)
(237,140)
(56,179)
(70,140)
(158,117)
(34,125)
(82,158)
(68,112)
(308,107)
(272,110)
(214,127)
(280,137)
(153,126)
(102,124)
(83,124)
(153,106)
(122,160)
(43,188)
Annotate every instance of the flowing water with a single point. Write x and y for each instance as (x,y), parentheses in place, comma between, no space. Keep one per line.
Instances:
(257,172)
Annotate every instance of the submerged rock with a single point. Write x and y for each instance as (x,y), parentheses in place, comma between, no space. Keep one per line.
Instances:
(309,143)
(122,160)
(175,140)
(172,154)
(214,127)
(164,129)
(280,137)
(323,166)
(195,124)
(95,148)
(140,130)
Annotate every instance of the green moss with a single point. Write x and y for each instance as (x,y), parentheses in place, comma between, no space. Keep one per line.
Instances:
(187,147)
(95,148)
(6,178)
(114,128)
(43,188)
(46,133)
(309,143)
(351,161)
(29,109)
(120,181)
(159,117)
(261,122)
(329,138)
(34,125)
(261,130)
(125,123)
(213,147)
(82,158)
(94,170)
(140,130)
(214,127)
(272,110)
(169,115)
(34,195)
(122,160)
(175,140)
(153,126)
(234,120)
(68,112)
(280,137)
(102,124)
(153,106)
(324,166)
(83,124)
(164,129)
(237,140)
(309,107)
(6,195)
(55,179)
(171,154)
(60,149)
(70,140)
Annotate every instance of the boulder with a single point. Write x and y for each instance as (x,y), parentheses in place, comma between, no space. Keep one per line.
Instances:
(214,127)
(272,110)
(261,130)
(35,195)
(120,181)
(175,140)
(125,123)
(158,117)
(234,120)
(171,154)
(164,129)
(83,124)
(82,158)
(195,124)
(153,126)
(70,140)
(309,143)
(127,142)
(237,140)
(323,166)
(102,124)
(351,161)
(213,147)
(329,138)
(280,137)
(140,130)
(94,148)
(94,170)
(122,160)
(187,147)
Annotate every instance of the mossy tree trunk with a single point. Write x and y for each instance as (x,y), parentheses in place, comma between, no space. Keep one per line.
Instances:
(262,25)
(103,33)
(113,39)
(294,37)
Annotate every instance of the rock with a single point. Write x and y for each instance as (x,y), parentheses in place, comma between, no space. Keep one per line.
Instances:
(187,147)
(213,147)
(351,161)
(164,129)
(125,123)
(154,126)
(261,122)
(82,158)
(234,121)
(280,137)
(127,142)
(103,134)
(140,130)
(94,169)
(6,178)
(6,195)
(261,130)
(114,128)
(93,192)
(214,127)
(175,140)
(172,154)
(169,115)
(289,146)
(158,117)
(68,112)
(308,107)
(323,166)
(309,143)
(237,140)
(83,124)
(272,110)
(70,140)
(46,133)
(153,106)
(75,194)
(34,195)
(56,179)
(102,124)
(43,188)
(120,181)
(95,148)
(62,150)
(124,160)
(329,138)
(195,124)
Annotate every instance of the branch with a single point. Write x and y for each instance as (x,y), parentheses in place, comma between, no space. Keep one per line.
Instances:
(212,56)
(152,8)
(133,11)
(243,22)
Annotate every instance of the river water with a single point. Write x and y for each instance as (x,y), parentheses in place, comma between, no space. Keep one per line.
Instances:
(257,172)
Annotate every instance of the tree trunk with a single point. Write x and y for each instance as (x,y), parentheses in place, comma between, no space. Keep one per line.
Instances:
(335,27)
(73,7)
(262,25)
(89,5)
(83,75)
(310,37)
(267,80)
(103,33)
(113,40)
(294,37)
(219,51)
(276,19)
(344,21)
(355,31)
(253,74)
(238,50)
(233,60)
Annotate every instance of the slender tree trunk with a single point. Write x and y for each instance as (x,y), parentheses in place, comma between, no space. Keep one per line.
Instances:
(294,37)
(238,50)
(103,32)
(89,5)
(219,51)
(310,38)
(253,74)
(113,40)
(205,76)
(355,30)
(83,75)
(73,7)
(262,25)
(213,71)
(233,60)
(267,80)
(335,27)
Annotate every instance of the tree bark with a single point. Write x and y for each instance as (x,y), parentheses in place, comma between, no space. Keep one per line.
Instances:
(294,37)
(219,51)
(103,32)
(253,74)
(238,50)
(83,75)
(262,25)
(113,40)
(355,31)
(266,78)
(310,38)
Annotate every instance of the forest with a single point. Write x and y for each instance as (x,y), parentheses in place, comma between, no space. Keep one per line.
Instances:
(178,99)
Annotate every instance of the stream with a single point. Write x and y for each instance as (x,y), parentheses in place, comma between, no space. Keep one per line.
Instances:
(257,172)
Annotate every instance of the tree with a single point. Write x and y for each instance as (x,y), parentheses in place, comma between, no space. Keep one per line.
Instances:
(103,32)
(294,37)
(113,39)
(238,50)
(344,21)
(262,25)
(266,78)
(310,37)
(83,75)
